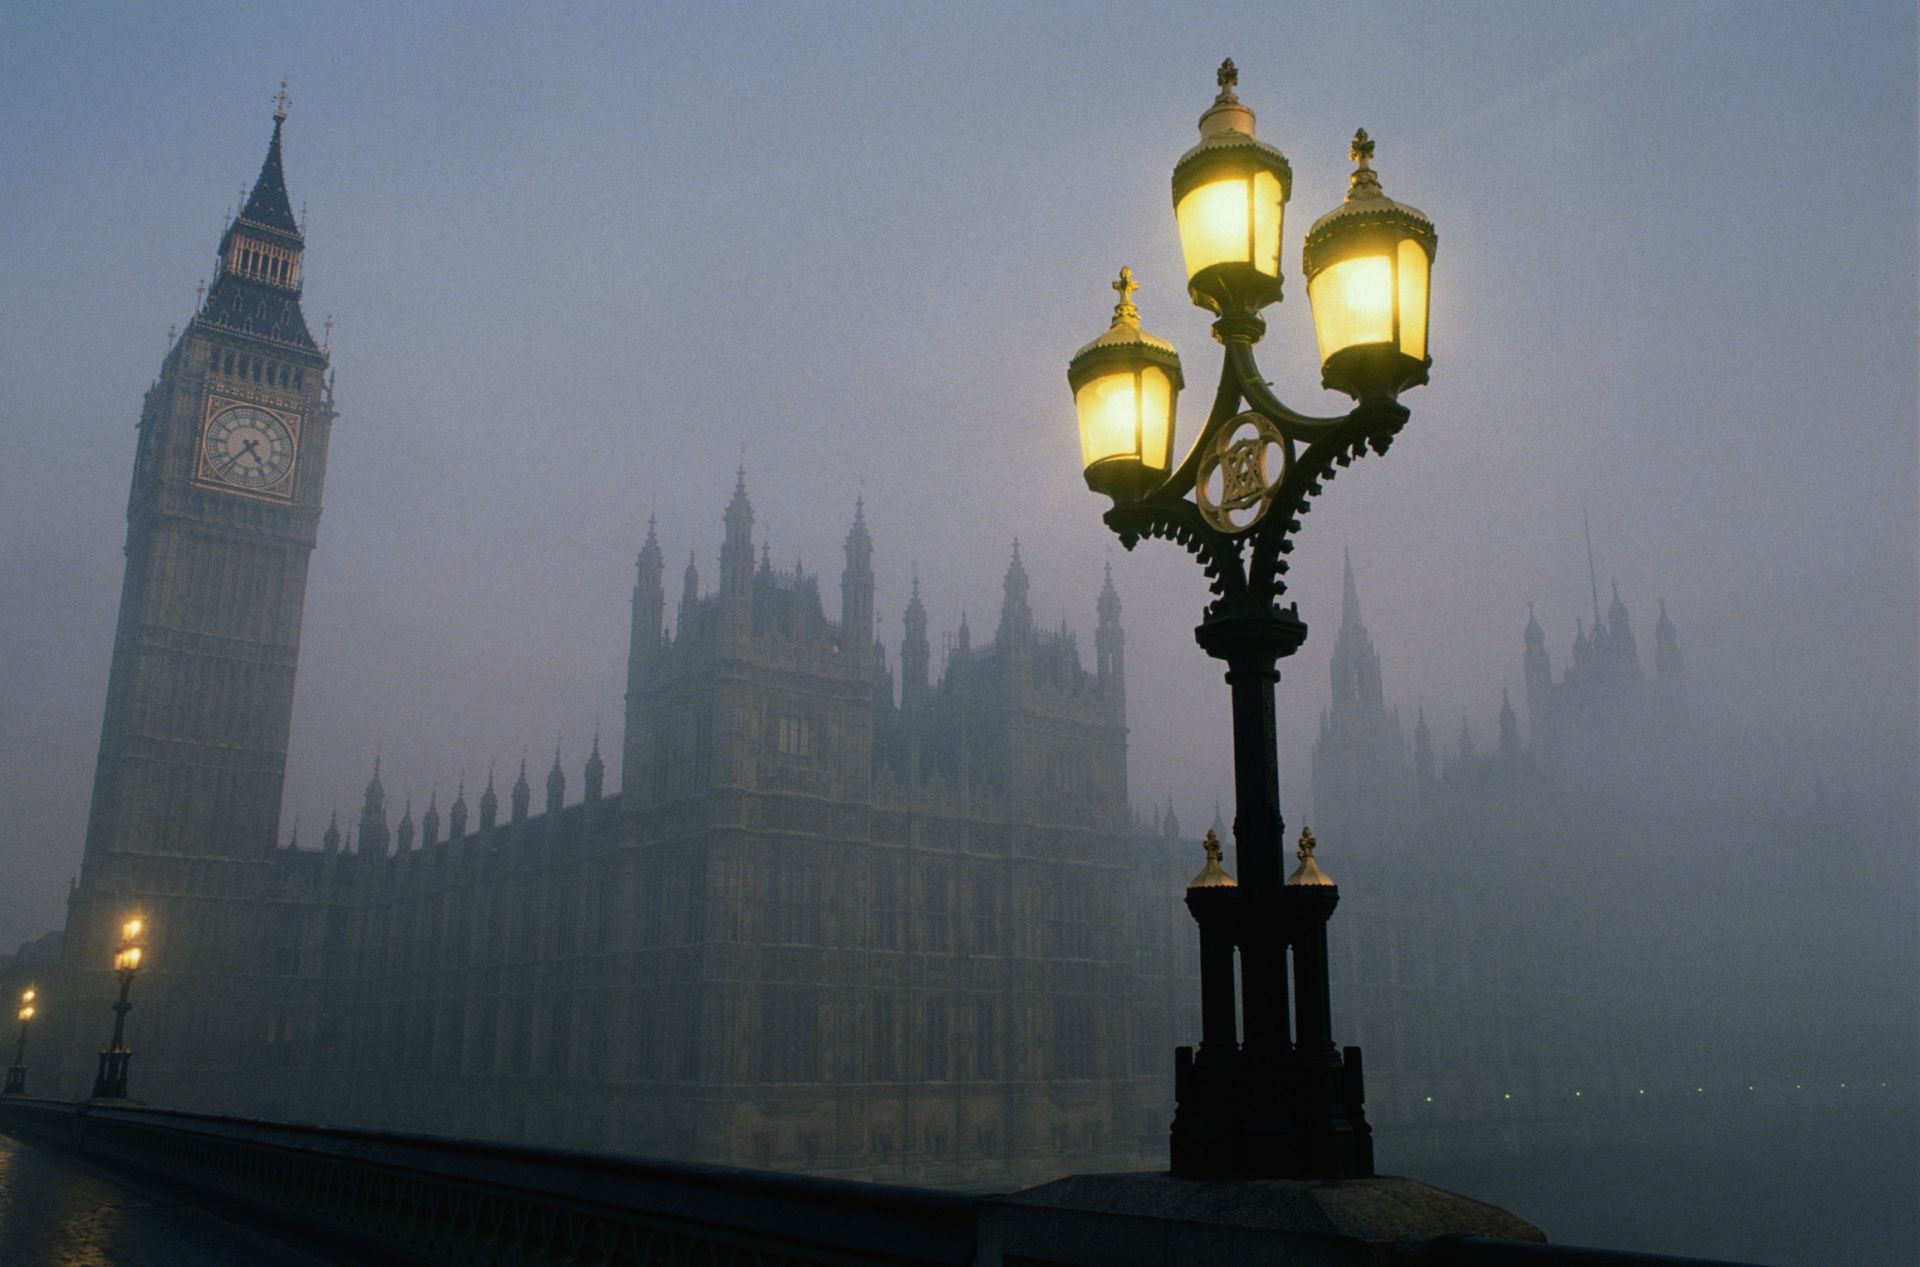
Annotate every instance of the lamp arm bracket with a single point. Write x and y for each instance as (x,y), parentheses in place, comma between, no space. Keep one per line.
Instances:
(1369,428)
(1248,382)
(1171,517)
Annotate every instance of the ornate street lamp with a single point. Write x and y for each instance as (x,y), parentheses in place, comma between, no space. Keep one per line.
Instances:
(111,1080)
(1280,1099)
(17,1072)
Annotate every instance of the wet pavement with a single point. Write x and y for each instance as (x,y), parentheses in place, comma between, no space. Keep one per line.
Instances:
(55,1212)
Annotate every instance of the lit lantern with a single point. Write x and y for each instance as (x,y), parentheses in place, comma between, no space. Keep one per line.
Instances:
(1125,384)
(1229,195)
(1368,262)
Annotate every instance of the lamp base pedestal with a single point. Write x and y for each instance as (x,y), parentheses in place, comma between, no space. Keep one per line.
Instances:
(1144,1220)
(110,1081)
(16,1080)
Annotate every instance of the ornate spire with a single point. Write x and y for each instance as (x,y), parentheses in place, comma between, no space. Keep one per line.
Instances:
(1509,727)
(522,794)
(268,203)
(489,804)
(1308,872)
(1212,875)
(556,782)
(330,841)
(430,821)
(457,816)
(596,774)
(403,835)
(1016,617)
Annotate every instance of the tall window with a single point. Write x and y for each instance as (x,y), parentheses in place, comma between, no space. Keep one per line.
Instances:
(794,736)
(792,914)
(884,905)
(1073,1046)
(789,1043)
(882,1062)
(1070,931)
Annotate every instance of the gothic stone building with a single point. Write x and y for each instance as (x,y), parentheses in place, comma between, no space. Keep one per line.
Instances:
(830,922)
(1475,881)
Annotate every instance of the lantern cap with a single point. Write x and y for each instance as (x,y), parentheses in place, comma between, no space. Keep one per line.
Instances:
(1366,206)
(1124,341)
(1308,872)
(1125,332)
(1226,129)
(1212,875)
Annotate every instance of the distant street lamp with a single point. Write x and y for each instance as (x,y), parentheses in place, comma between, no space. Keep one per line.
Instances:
(110,1082)
(1282,1100)
(17,1072)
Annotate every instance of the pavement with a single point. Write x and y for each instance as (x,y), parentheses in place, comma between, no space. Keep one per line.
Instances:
(56,1211)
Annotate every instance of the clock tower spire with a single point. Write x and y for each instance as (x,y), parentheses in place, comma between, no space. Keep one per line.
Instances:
(221,518)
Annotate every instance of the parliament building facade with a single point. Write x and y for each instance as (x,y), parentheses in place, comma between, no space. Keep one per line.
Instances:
(844,915)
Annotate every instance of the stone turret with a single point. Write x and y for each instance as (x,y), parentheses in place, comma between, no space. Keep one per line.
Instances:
(1667,664)
(489,805)
(430,821)
(330,839)
(457,815)
(403,834)
(856,585)
(1538,671)
(1016,615)
(649,609)
(556,784)
(736,550)
(1110,642)
(596,773)
(1509,729)
(689,597)
(914,653)
(522,795)
(373,816)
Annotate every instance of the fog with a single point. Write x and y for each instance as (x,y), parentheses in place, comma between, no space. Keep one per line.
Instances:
(584,263)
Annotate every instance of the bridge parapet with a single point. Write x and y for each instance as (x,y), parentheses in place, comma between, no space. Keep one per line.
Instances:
(386,1197)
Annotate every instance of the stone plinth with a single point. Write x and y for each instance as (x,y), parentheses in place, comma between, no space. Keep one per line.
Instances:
(1137,1220)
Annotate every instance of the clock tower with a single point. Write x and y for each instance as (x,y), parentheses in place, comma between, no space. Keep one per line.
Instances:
(223,513)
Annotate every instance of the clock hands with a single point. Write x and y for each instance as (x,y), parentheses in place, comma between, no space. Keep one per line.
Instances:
(248,448)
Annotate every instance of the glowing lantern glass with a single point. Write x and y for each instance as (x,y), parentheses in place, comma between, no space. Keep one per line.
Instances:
(1125,386)
(1229,195)
(1368,264)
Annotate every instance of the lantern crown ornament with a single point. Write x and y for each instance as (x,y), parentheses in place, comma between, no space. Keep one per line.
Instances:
(1229,196)
(1125,386)
(1368,263)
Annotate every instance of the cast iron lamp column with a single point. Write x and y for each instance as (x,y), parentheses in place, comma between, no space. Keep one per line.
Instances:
(17,1072)
(1285,1101)
(110,1083)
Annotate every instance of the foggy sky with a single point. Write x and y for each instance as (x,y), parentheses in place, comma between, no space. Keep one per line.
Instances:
(584,263)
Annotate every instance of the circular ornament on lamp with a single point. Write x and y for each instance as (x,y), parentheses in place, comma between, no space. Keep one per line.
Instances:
(1240,470)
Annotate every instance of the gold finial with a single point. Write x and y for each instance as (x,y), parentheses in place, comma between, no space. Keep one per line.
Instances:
(280,103)
(1124,313)
(1212,875)
(1365,183)
(1309,871)
(1227,77)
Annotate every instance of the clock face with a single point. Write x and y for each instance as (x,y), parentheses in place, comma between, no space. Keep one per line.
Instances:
(247,447)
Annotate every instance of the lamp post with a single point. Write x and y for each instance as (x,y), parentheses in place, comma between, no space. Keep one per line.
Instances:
(111,1080)
(17,1072)
(1282,1100)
